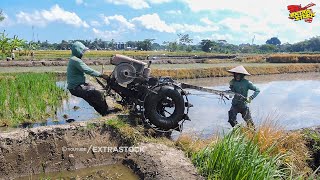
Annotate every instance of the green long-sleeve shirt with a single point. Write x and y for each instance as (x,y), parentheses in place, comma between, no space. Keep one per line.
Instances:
(242,87)
(76,72)
(77,69)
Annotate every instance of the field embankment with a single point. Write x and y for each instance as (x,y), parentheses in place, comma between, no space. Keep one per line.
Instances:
(294,58)
(184,73)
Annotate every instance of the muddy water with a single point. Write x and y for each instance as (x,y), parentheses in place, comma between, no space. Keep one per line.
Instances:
(292,101)
(116,171)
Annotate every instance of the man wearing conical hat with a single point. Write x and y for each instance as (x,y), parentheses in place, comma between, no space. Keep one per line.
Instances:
(240,85)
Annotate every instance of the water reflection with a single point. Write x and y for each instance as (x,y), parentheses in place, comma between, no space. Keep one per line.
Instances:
(72,109)
(293,104)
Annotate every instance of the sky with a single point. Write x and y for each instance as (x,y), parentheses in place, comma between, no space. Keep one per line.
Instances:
(237,21)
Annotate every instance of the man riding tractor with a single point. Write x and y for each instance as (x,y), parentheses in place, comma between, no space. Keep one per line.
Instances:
(76,80)
(241,86)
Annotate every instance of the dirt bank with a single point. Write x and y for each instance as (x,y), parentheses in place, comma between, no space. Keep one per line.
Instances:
(68,147)
(64,62)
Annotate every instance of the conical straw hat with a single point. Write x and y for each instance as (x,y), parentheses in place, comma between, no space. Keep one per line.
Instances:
(240,70)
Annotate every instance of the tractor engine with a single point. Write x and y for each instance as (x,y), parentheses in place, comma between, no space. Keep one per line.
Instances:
(128,69)
(160,102)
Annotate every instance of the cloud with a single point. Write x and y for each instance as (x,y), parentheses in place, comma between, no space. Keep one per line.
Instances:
(153,22)
(194,28)
(7,21)
(264,20)
(118,21)
(206,21)
(55,14)
(106,34)
(135,4)
(79,2)
(175,12)
(95,23)
(227,37)
(159,1)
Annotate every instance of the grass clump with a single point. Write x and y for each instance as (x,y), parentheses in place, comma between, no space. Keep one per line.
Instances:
(275,140)
(28,97)
(191,143)
(237,157)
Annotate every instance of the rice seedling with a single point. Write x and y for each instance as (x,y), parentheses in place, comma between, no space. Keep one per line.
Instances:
(28,97)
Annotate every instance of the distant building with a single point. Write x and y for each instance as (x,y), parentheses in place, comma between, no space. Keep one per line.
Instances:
(121,45)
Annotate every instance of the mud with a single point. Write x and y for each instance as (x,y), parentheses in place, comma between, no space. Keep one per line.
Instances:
(158,161)
(43,149)
(57,148)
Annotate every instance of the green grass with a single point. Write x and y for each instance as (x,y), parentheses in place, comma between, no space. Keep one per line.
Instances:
(237,157)
(28,97)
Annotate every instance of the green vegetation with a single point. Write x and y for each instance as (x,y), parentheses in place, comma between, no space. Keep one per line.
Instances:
(28,97)
(237,157)
(269,152)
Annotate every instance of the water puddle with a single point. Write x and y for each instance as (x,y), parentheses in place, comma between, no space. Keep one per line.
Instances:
(116,172)
(291,100)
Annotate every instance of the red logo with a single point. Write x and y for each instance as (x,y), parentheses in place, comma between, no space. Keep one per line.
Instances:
(298,13)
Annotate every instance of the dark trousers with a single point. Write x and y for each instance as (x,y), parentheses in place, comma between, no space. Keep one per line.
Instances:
(245,112)
(94,97)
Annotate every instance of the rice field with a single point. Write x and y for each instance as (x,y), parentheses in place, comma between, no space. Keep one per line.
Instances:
(28,97)
(63,54)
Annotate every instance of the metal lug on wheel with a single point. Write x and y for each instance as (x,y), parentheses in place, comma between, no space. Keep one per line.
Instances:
(186,117)
(187,104)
